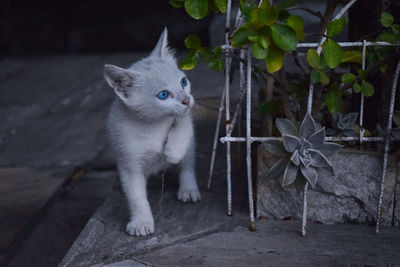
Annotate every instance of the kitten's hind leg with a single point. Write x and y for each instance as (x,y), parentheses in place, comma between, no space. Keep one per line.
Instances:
(188,189)
(134,187)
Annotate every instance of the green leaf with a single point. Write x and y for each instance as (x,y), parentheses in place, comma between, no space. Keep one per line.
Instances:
(381,52)
(176,3)
(221,4)
(207,54)
(274,59)
(258,51)
(269,107)
(217,51)
(267,14)
(254,15)
(383,68)
(313,58)
(283,15)
(297,24)
(284,37)
(315,76)
(386,19)
(333,100)
(336,26)
(252,26)
(286,3)
(332,53)
(372,59)
(212,7)
(324,78)
(264,41)
(396,29)
(192,41)
(190,61)
(254,38)
(214,58)
(246,10)
(357,88)
(363,74)
(239,38)
(348,78)
(197,9)
(367,88)
(351,56)
(387,37)
(216,64)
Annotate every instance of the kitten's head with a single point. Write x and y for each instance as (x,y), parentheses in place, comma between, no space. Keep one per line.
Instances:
(153,87)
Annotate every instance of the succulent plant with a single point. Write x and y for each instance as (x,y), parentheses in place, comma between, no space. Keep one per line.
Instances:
(395,132)
(344,124)
(302,152)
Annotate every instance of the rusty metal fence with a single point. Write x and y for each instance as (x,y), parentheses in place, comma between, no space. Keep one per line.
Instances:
(246,89)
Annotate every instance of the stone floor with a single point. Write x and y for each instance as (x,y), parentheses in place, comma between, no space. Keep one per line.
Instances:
(55,172)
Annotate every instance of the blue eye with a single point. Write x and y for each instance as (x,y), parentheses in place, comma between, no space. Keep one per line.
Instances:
(163,95)
(183,82)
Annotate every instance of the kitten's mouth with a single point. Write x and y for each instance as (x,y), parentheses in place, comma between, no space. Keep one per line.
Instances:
(184,110)
(187,109)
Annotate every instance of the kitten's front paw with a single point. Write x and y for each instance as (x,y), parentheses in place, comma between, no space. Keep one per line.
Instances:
(138,228)
(173,156)
(189,195)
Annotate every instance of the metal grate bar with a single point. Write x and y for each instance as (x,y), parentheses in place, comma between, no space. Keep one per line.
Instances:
(248,142)
(387,146)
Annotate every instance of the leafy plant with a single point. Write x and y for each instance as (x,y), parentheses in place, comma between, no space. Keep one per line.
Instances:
(343,124)
(272,33)
(391,34)
(303,151)
(199,9)
(213,58)
(270,30)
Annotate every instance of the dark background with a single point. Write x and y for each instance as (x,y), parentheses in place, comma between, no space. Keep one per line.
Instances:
(79,26)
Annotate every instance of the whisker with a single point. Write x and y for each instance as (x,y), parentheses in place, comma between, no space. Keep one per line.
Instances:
(204,104)
(199,111)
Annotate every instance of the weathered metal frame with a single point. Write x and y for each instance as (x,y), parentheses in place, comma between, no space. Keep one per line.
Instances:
(245,79)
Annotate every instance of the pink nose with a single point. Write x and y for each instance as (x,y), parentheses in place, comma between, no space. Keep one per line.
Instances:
(186,101)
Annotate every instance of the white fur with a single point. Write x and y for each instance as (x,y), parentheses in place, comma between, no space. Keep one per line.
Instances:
(148,134)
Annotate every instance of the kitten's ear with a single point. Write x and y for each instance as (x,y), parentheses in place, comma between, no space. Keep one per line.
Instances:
(121,80)
(161,49)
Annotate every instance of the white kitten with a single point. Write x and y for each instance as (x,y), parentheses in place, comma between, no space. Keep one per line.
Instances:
(150,126)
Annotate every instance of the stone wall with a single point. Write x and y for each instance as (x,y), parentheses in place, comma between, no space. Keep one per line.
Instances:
(349,197)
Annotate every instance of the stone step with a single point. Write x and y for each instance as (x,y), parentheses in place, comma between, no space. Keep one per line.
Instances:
(24,192)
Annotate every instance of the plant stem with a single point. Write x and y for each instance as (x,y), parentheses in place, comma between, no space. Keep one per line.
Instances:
(300,63)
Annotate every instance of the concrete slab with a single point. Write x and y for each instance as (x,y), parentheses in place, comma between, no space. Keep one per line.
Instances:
(63,219)
(23,194)
(278,243)
(124,263)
